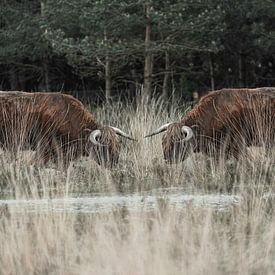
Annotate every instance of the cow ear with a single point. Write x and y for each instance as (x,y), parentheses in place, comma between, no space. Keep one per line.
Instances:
(195,127)
(86,130)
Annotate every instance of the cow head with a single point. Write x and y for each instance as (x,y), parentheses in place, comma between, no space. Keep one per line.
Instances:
(105,146)
(176,142)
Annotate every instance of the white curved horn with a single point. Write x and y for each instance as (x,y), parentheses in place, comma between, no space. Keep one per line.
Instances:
(159,130)
(121,133)
(94,134)
(188,132)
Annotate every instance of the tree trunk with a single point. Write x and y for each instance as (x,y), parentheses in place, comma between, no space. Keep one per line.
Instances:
(148,62)
(13,80)
(42,7)
(45,70)
(108,78)
(211,67)
(241,70)
(166,76)
(135,85)
(46,76)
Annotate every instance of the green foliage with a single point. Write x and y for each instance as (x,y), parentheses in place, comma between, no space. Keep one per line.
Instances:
(86,31)
(20,34)
(77,36)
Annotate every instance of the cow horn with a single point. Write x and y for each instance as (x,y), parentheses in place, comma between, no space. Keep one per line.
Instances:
(94,134)
(159,130)
(121,133)
(188,131)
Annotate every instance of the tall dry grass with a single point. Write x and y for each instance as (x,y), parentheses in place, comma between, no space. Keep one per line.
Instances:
(165,240)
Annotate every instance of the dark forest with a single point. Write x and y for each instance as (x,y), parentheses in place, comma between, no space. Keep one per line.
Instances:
(108,48)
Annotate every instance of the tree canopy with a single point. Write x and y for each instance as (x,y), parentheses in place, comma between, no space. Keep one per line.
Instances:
(111,47)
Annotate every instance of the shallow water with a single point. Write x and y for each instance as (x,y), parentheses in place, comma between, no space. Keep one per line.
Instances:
(136,201)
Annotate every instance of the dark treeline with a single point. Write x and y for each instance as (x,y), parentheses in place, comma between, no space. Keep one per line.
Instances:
(109,48)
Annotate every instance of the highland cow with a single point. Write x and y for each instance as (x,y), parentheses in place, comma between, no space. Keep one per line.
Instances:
(223,124)
(57,127)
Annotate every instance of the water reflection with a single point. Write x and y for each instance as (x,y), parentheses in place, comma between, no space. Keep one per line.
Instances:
(105,203)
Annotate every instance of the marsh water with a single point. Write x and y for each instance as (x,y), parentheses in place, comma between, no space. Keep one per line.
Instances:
(175,197)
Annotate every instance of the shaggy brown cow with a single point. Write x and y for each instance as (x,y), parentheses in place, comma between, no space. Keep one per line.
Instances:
(56,126)
(222,124)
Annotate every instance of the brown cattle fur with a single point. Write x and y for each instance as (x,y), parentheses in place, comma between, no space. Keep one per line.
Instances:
(226,121)
(55,125)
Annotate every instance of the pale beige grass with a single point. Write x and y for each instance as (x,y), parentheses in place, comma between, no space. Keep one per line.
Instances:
(193,240)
